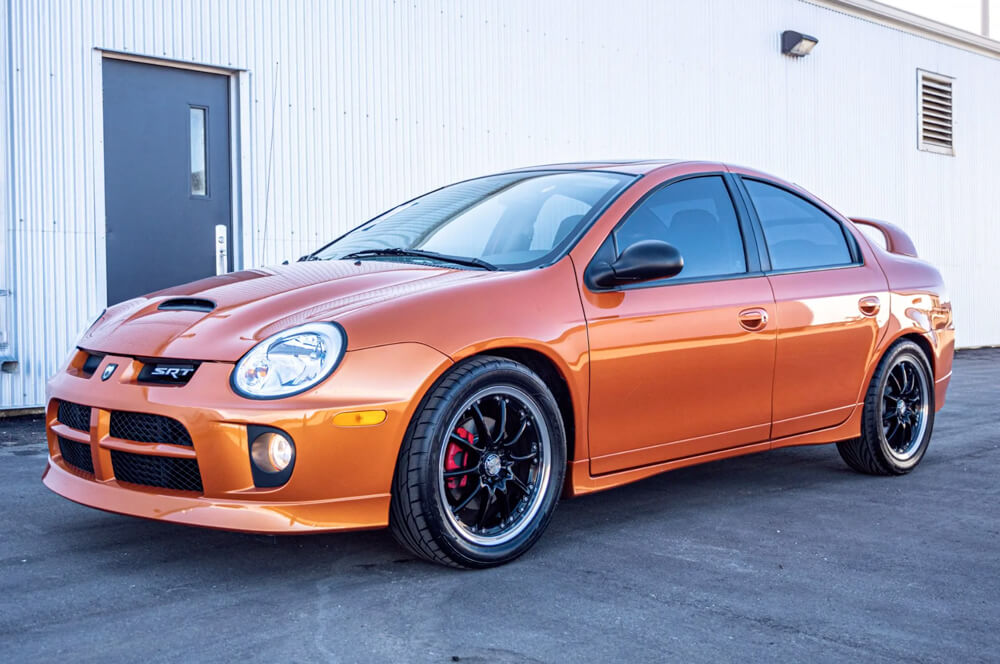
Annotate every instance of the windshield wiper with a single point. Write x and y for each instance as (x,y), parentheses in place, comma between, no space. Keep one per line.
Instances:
(420,253)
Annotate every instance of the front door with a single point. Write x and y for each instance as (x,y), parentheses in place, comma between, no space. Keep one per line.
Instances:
(682,366)
(166,176)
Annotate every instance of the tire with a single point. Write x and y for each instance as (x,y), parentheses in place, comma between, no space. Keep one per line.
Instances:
(894,437)
(481,468)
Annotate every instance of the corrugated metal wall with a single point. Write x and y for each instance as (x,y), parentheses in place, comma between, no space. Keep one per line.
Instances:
(350,107)
(5,263)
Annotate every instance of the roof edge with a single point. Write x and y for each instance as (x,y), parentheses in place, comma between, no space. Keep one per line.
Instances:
(914,24)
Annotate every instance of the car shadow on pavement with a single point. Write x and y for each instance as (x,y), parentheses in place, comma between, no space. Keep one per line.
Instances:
(677,498)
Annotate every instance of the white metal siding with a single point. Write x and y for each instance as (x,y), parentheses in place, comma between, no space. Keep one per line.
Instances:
(6,269)
(350,107)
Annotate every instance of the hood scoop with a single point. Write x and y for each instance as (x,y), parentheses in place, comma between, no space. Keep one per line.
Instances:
(187,304)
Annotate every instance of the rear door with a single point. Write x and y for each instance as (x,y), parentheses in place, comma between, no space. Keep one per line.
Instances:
(681,366)
(831,302)
(166,176)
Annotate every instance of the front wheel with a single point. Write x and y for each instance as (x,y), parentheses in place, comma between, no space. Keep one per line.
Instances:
(898,415)
(482,467)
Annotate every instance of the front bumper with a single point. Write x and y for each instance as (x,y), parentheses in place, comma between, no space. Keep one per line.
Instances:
(342,475)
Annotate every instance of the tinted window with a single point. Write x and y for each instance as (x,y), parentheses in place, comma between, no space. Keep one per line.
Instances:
(513,220)
(798,234)
(698,218)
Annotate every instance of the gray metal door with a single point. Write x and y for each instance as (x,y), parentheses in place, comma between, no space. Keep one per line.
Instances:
(166,176)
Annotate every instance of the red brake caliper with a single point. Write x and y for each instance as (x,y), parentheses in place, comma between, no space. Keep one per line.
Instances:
(457,458)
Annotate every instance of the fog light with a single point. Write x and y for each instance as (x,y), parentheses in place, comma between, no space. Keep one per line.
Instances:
(272,452)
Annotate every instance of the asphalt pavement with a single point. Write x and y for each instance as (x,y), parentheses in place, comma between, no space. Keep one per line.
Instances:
(782,556)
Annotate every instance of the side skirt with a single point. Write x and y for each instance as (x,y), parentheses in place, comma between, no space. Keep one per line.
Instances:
(581,482)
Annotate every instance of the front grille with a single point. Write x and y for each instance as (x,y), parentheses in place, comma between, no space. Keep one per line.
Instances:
(74,415)
(76,454)
(158,471)
(147,428)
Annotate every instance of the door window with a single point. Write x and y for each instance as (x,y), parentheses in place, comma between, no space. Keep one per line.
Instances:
(798,234)
(697,217)
(199,183)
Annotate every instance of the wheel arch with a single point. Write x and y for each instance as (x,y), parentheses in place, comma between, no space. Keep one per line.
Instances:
(924,345)
(909,335)
(546,369)
(888,344)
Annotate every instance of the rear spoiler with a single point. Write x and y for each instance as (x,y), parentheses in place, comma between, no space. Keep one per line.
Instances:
(896,239)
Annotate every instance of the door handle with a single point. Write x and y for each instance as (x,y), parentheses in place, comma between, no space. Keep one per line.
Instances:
(221,249)
(869,305)
(754,319)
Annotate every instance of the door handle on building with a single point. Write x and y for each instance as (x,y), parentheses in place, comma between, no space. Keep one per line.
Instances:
(221,249)
(754,319)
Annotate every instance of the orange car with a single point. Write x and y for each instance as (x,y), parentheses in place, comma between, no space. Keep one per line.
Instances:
(452,367)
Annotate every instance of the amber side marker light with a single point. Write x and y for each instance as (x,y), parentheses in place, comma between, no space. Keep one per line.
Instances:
(359,418)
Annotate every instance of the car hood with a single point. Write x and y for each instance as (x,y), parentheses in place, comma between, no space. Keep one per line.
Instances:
(249,306)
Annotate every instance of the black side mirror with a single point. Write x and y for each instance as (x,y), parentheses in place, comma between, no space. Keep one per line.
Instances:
(642,261)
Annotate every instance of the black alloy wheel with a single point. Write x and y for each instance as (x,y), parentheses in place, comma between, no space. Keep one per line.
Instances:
(482,466)
(904,408)
(495,465)
(898,415)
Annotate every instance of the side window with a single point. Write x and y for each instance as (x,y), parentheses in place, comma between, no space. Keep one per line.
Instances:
(697,217)
(798,234)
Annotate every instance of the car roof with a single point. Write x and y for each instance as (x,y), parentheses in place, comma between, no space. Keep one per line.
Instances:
(641,167)
(631,166)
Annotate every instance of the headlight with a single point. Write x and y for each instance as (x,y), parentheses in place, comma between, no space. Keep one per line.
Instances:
(290,362)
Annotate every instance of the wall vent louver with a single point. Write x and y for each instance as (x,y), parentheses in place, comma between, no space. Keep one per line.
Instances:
(935,123)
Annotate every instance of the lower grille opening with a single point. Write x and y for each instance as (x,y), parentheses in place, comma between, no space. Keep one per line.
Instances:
(74,415)
(159,471)
(148,428)
(76,454)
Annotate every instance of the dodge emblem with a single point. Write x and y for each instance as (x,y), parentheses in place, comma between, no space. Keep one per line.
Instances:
(108,370)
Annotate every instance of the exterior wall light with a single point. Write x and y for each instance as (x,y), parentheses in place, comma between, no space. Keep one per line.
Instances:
(797,44)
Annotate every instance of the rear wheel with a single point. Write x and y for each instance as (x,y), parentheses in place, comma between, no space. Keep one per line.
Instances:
(482,466)
(898,415)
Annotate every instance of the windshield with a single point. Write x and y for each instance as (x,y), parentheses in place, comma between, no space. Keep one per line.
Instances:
(511,221)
